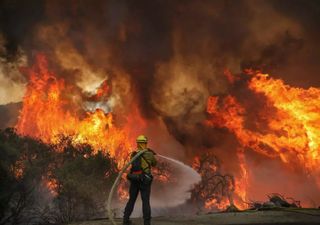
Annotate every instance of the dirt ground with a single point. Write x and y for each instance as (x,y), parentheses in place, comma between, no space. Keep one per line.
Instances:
(284,217)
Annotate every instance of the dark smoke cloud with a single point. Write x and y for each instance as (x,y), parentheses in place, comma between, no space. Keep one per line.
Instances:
(303,12)
(173,52)
(152,41)
(168,56)
(17,21)
(304,67)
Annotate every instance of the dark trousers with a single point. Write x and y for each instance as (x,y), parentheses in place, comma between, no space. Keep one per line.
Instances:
(145,189)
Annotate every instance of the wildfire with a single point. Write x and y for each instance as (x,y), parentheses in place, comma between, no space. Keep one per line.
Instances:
(51,184)
(52,108)
(216,190)
(49,111)
(214,203)
(290,120)
(298,114)
(241,184)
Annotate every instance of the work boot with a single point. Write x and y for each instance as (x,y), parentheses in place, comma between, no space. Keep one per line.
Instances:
(147,222)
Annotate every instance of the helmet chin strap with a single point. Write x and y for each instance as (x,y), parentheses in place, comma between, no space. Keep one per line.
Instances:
(115,184)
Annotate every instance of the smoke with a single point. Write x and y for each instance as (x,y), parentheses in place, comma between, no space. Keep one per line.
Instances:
(11,81)
(174,54)
(271,176)
(166,57)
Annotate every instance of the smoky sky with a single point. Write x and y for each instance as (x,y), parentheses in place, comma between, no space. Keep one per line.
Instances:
(18,19)
(174,52)
(167,57)
(151,25)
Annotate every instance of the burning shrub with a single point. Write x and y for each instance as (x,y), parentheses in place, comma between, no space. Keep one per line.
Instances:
(83,182)
(48,184)
(22,163)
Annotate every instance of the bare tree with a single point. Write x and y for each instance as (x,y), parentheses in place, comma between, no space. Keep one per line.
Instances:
(214,185)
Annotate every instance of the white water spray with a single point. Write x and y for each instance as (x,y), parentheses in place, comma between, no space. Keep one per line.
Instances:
(190,170)
(175,194)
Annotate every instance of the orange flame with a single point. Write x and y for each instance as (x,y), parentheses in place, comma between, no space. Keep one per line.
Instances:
(297,117)
(293,131)
(241,184)
(49,110)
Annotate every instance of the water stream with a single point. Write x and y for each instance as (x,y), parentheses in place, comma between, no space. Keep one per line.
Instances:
(176,192)
(194,176)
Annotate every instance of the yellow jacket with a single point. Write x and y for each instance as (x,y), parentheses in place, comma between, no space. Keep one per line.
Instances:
(147,160)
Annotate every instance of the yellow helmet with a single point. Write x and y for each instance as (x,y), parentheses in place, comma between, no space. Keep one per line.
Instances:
(142,139)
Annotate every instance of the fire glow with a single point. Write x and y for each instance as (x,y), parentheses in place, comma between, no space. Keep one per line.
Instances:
(290,130)
(291,133)
(55,114)
(48,113)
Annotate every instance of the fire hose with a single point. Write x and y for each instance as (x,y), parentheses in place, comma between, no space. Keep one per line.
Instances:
(113,188)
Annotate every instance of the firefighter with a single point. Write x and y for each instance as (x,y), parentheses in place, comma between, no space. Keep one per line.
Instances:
(140,178)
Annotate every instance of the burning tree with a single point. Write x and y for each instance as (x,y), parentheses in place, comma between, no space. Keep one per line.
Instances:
(215,191)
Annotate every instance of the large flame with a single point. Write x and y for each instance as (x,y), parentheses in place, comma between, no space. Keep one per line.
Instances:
(291,128)
(51,110)
(52,107)
(297,117)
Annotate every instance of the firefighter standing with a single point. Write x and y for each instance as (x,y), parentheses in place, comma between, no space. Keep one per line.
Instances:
(140,178)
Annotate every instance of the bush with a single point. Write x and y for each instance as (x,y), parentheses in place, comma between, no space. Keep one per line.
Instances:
(81,180)
(23,162)
(84,180)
